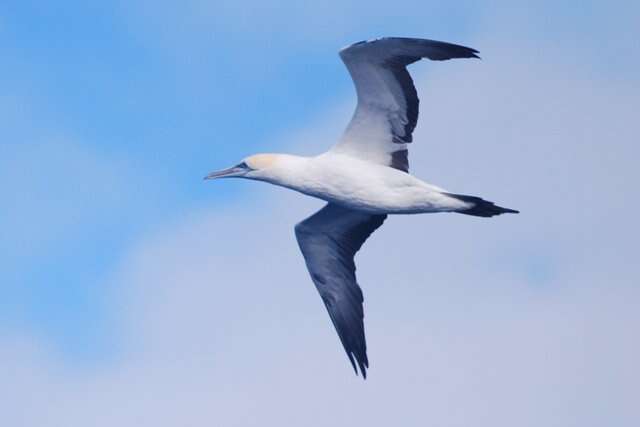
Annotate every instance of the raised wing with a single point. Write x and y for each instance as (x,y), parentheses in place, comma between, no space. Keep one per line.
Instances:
(387,110)
(329,240)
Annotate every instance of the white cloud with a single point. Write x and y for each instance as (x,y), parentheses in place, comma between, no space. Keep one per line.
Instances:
(523,320)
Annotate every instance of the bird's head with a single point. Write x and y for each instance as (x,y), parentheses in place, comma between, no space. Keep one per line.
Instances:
(258,166)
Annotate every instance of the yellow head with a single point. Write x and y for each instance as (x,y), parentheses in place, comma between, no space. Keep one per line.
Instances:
(261,161)
(251,167)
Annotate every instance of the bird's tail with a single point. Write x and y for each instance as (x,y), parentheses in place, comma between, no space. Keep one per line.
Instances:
(480,207)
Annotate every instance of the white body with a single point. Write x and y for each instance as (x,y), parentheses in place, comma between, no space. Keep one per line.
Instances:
(357,184)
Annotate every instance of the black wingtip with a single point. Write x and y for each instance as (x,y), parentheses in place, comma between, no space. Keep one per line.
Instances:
(450,51)
(353,363)
(361,366)
(469,52)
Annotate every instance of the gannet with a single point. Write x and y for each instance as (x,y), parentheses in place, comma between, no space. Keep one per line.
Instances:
(363,178)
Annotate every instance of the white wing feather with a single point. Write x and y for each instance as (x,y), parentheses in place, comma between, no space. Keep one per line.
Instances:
(387,110)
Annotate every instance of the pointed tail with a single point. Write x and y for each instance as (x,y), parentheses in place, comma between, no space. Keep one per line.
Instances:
(480,207)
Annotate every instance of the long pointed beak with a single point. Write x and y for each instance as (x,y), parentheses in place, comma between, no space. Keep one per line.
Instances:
(226,173)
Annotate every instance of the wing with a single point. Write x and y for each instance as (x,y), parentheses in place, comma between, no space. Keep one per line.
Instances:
(387,110)
(329,240)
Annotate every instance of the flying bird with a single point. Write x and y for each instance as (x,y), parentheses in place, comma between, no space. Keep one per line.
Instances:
(363,178)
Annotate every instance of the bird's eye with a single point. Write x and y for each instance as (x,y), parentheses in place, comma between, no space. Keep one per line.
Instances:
(243,165)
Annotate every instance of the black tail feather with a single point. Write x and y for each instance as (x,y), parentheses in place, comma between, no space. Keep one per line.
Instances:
(481,207)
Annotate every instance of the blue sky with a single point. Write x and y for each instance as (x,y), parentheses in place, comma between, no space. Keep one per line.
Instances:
(112,113)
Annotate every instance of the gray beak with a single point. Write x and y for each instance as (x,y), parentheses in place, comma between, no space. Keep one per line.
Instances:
(226,173)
